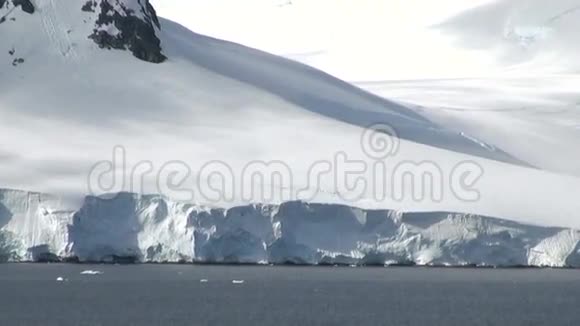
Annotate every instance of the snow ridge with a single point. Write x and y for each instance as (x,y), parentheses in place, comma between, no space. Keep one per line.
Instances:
(148,228)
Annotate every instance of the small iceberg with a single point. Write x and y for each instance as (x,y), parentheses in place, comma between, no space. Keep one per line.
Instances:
(89,272)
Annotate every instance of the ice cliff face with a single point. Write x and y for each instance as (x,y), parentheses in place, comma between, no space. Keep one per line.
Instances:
(130,227)
(32,226)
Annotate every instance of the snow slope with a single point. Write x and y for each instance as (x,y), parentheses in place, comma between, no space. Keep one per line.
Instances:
(64,42)
(132,227)
(536,118)
(530,102)
(68,98)
(504,72)
(516,60)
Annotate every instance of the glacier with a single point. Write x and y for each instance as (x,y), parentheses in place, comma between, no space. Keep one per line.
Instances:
(129,227)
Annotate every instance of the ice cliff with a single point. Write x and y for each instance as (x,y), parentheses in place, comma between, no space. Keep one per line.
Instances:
(140,228)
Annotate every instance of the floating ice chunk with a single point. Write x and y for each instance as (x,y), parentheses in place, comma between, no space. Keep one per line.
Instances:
(60,279)
(89,272)
(203,281)
(238,281)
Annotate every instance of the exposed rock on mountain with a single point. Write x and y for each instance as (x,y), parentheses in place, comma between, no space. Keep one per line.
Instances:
(25,5)
(127,24)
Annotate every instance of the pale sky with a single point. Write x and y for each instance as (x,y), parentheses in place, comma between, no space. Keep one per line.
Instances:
(280,27)
(352,39)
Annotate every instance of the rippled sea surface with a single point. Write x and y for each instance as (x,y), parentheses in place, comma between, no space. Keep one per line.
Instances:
(246,295)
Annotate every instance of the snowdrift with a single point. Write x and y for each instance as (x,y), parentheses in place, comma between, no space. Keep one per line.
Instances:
(135,228)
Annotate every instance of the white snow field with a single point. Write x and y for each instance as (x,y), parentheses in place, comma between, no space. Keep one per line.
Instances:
(171,95)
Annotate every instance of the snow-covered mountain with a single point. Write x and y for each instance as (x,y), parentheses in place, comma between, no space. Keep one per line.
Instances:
(81,79)
(505,71)
(111,24)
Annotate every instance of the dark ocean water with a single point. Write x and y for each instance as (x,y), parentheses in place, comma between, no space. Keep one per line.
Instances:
(174,295)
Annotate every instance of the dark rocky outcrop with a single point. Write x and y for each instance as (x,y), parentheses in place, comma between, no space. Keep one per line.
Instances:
(89,6)
(119,24)
(25,5)
(17,62)
(136,31)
